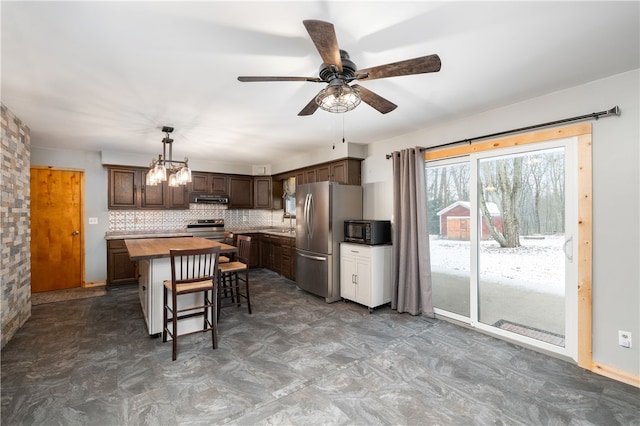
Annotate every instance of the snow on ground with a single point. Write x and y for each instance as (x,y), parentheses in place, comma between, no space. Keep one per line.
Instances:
(539,264)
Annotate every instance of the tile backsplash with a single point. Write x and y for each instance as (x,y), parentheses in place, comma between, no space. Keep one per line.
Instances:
(161,220)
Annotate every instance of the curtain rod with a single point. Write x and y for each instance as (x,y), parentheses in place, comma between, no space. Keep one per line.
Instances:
(613,111)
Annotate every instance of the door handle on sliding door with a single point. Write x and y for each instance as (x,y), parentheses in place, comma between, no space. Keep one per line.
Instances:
(568,254)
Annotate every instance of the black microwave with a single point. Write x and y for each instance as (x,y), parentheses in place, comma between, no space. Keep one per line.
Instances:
(370,232)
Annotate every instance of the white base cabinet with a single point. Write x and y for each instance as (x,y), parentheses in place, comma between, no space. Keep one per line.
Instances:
(365,274)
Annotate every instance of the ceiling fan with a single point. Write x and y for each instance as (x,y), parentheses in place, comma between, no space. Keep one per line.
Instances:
(338,71)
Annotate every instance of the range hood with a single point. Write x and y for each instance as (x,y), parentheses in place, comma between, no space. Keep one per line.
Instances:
(208,199)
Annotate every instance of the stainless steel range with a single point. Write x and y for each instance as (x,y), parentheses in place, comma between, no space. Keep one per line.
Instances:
(211,229)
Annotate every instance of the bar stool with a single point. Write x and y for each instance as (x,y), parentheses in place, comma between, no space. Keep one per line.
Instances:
(228,239)
(192,271)
(232,273)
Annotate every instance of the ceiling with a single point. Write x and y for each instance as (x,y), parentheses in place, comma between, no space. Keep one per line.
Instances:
(108,75)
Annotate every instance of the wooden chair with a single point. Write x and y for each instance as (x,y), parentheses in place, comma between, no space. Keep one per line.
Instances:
(192,271)
(233,272)
(228,239)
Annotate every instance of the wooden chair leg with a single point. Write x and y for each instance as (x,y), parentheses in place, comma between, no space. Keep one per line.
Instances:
(214,323)
(174,319)
(247,289)
(218,308)
(236,288)
(164,316)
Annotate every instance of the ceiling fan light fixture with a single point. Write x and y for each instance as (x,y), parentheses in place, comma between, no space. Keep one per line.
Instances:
(338,97)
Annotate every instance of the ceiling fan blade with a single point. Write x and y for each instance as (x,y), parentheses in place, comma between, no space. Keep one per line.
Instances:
(375,100)
(323,36)
(248,79)
(310,108)
(420,65)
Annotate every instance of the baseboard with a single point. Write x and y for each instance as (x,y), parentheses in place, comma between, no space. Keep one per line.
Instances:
(615,374)
(94,283)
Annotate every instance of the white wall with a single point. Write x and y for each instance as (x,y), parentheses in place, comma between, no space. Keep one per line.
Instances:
(616,194)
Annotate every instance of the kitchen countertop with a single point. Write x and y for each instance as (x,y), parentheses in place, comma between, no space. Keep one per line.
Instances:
(153,248)
(125,235)
(280,231)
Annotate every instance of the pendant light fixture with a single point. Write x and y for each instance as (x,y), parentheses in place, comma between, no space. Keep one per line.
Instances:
(179,172)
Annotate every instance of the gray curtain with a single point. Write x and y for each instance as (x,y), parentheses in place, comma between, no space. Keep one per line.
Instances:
(412,263)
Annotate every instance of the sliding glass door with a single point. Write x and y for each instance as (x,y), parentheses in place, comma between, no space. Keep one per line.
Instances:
(502,225)
(448,196)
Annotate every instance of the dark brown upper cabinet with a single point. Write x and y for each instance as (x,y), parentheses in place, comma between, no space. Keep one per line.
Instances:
(346,171)
(240,192)
(209,183)
(262,192)
(127,190)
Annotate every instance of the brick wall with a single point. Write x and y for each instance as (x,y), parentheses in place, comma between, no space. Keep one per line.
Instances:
(15,264)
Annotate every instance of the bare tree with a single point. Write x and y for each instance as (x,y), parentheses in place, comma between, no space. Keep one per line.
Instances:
(508,189)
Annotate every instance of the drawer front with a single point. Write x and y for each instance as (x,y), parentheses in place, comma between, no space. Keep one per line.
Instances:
(116,244)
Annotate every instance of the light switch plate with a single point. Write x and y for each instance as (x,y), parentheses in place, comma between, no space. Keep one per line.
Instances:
(624,339)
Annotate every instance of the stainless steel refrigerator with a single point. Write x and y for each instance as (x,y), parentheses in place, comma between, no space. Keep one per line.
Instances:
(321,209)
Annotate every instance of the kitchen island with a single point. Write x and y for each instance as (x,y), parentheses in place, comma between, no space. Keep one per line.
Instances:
(120,268)
(154,264)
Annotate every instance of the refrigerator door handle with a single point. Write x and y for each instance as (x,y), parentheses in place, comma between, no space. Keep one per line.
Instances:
(310,215)
(304,214)
(321,258)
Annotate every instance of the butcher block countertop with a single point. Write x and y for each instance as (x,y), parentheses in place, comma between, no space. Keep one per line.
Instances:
(153,248)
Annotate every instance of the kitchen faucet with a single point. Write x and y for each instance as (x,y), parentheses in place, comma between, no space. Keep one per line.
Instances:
(290,216)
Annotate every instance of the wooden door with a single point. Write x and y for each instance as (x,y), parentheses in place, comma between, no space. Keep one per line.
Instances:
(57,242)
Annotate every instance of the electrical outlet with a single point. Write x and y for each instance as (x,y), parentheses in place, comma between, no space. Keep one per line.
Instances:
(624,339)
(93,221)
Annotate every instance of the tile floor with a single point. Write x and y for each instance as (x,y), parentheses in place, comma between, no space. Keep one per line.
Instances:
(297,361)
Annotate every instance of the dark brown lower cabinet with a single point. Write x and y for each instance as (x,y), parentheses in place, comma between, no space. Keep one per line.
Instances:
(287,266)
(278,254)
(254,260)
(120,268)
